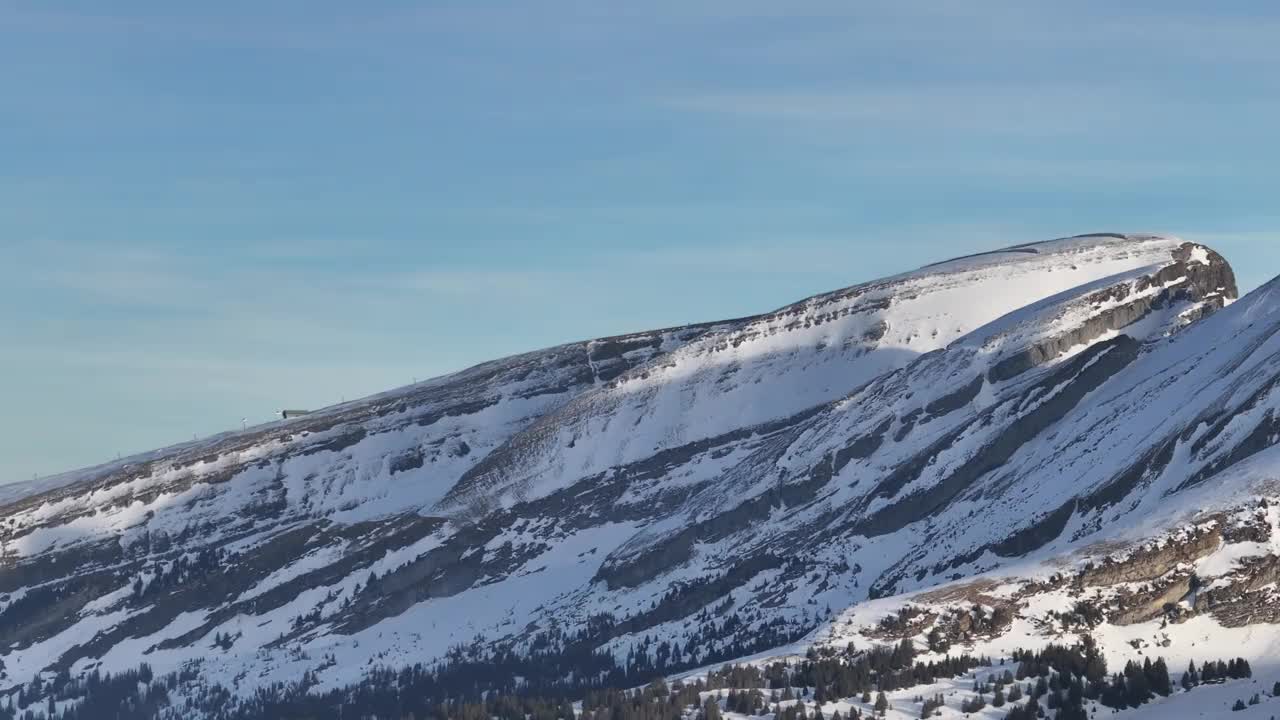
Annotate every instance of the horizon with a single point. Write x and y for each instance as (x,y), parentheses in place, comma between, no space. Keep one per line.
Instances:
(215,212)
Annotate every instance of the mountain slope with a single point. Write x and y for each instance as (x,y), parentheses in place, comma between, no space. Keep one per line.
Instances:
(716,488)
(796,358)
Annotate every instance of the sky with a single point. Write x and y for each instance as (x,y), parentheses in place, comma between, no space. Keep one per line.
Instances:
(210,211)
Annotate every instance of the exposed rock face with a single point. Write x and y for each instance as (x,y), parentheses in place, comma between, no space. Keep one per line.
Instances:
(1154,561)
(1248,597)
(1163,580)
(742,475)
(1151,602)
(1209,284)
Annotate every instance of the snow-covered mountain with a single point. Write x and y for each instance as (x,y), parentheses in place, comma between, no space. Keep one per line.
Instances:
(1086,419)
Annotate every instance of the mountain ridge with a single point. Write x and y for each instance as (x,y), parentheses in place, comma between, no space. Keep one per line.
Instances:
(1012,408)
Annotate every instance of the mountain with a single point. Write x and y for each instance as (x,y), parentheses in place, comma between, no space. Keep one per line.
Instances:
(1056,440)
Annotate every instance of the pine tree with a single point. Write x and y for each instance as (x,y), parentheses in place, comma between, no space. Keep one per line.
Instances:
(1159,677)
(1137,689)
(1095,667)
(905,654)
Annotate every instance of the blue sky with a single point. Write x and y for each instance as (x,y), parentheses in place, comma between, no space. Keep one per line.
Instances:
(212,210)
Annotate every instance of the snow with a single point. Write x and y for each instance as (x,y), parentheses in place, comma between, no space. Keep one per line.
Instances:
(314,560)
(429,629)
(1228,558)
(1206,701)
(854,361)
(798,357)
(37,657)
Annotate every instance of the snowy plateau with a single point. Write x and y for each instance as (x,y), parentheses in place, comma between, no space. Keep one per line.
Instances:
(1041,481)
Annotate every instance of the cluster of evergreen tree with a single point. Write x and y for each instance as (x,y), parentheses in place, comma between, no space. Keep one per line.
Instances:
(36,601)
(1241,705)
(1137,685)
(829,675)
(1065,677)
(929,706)
(800,711)
(1068,676)
(974,704)
(1084,660)
(657,701)
(746,702)
(834,675)
(183,570)
(224,640)
(995,687)
(132,695)
(1215,672)
(1030,711)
